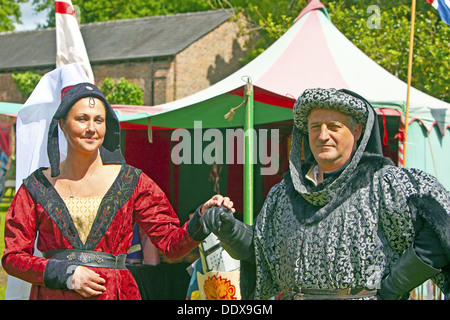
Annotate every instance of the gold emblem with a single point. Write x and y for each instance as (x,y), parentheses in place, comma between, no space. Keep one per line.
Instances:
(219,289)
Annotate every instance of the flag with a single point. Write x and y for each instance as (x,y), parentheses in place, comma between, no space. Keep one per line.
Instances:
(70,46)
(443,7)
(34,116)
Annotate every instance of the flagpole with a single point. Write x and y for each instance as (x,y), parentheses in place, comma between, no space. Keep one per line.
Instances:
(410,63)
(248,160)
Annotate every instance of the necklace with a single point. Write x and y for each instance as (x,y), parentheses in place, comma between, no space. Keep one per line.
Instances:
(70,189)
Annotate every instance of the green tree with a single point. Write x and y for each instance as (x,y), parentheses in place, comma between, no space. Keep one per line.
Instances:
(388,44)
(10,14)
(122,92)
(26,81)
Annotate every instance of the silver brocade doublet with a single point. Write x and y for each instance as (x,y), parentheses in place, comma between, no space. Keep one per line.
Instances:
(349,231)
(353,246)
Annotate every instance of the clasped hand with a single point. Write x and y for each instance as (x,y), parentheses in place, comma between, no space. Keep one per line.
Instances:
(217,219)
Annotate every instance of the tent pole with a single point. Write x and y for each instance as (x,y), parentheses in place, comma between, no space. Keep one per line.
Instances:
(248,160)
(410,63)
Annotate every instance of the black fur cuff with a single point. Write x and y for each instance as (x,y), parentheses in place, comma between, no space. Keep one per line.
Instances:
(194,227)
(58,274)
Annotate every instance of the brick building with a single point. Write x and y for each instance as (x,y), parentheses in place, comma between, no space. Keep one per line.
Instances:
(169,57)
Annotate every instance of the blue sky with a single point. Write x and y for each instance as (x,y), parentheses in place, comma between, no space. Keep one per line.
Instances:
(30,19)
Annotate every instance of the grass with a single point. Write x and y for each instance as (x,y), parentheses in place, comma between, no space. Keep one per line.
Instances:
(4,205)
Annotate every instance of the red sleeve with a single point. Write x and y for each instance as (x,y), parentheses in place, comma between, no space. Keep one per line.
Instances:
(159,221)
(20,235)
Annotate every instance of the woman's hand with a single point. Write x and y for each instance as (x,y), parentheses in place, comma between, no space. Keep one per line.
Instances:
(218,201)
(87,282)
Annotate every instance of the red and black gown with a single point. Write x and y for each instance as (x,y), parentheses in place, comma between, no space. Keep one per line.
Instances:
(37,210)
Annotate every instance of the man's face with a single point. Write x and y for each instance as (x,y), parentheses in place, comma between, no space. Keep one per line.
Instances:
(331,139)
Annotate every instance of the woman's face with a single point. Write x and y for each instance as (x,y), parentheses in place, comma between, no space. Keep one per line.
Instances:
(85,125)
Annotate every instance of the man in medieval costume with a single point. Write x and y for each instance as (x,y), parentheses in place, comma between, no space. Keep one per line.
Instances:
(345,223)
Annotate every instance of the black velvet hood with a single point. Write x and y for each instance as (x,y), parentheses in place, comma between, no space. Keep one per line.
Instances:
(109,151)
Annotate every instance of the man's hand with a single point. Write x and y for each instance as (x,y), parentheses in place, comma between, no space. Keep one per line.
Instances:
(235,236)
(87,282)
(218,219)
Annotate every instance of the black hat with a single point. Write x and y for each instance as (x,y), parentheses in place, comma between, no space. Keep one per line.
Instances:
(109,151)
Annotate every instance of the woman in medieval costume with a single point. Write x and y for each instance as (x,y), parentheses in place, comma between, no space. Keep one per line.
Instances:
(82,210)
(362,229)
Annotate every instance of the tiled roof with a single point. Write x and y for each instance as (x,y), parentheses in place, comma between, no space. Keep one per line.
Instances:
(113,40)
